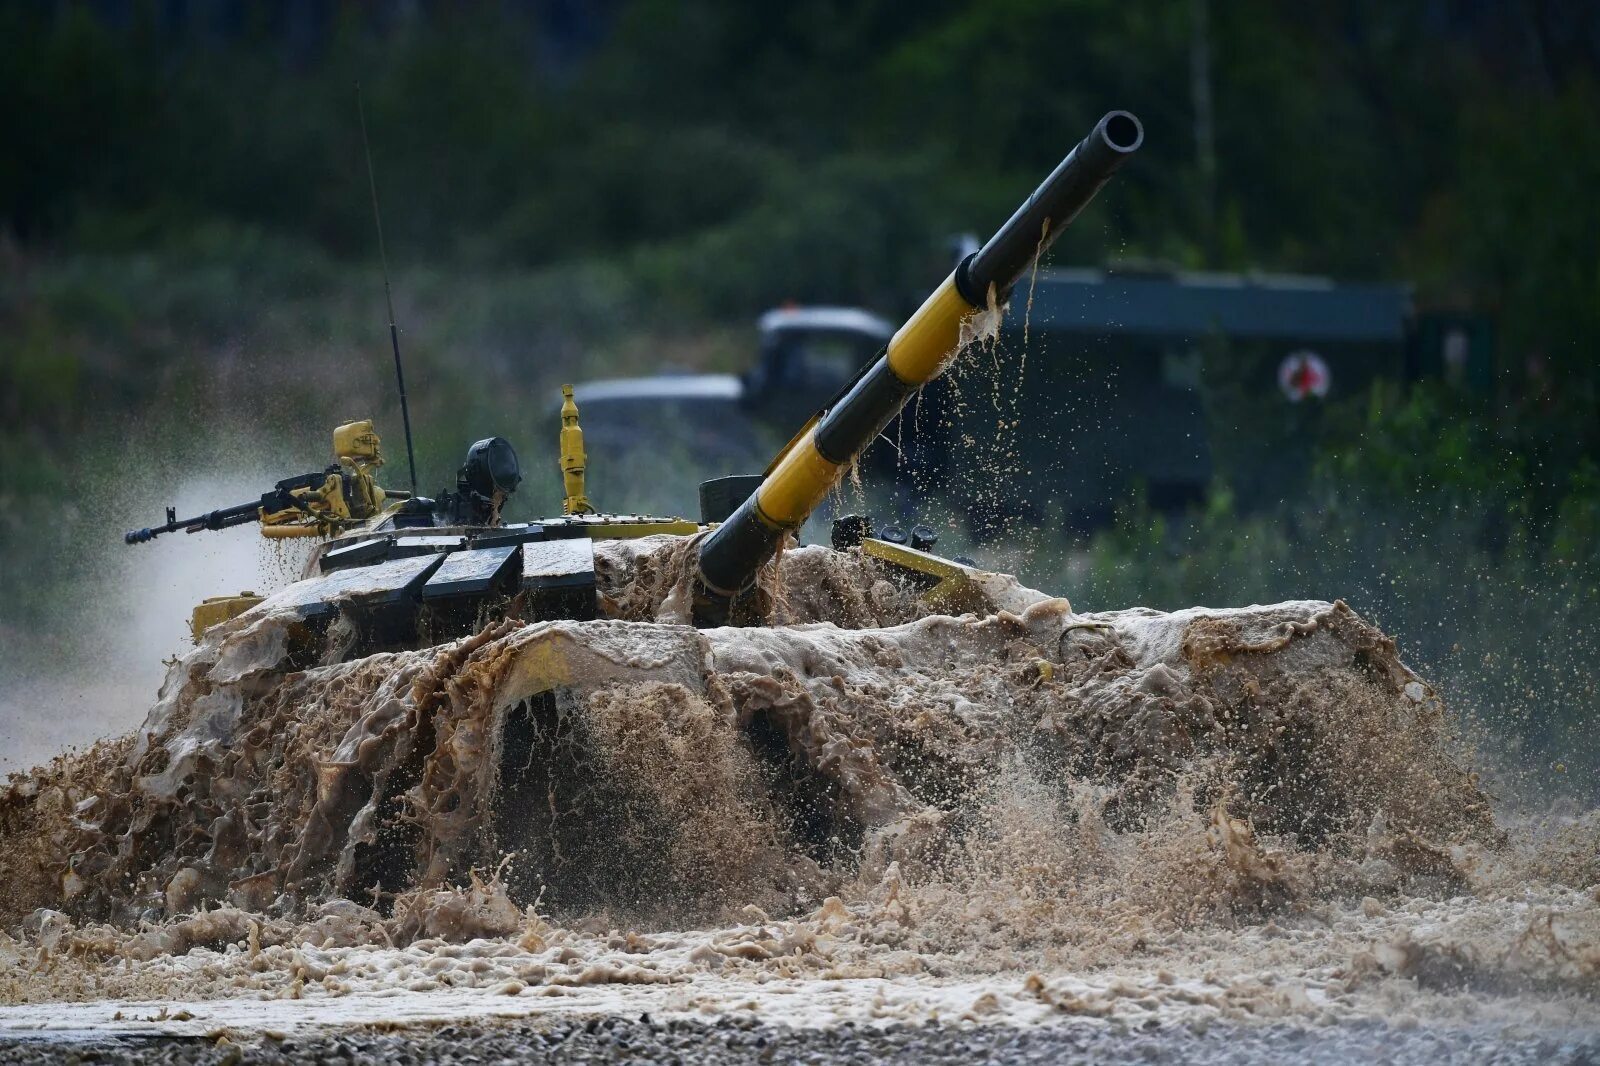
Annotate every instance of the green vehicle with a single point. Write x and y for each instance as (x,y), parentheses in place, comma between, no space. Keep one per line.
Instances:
(1126,381)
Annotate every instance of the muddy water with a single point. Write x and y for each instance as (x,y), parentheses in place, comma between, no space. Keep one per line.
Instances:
(864,812)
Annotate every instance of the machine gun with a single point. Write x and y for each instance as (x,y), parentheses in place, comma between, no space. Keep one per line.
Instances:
(820,454)
(288,495)
(309,505)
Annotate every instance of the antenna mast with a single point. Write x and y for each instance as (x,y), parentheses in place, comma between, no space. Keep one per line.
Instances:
(388,295)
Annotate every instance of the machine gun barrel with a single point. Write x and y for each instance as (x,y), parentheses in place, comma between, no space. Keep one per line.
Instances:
(221,518)
(815,460)
(280,497)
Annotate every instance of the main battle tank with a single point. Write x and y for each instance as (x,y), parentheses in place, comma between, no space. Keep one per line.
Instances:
(453,717)
(443,690)
(394,570)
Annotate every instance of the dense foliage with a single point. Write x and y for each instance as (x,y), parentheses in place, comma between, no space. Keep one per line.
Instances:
(823,146)
(1449,537)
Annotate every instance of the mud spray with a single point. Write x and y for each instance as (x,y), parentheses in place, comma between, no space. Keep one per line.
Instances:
(865,812)
(88,672)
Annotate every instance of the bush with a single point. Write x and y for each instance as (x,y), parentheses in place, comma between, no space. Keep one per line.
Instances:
(1426,521)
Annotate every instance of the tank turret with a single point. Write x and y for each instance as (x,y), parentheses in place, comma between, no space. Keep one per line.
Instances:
(399,569)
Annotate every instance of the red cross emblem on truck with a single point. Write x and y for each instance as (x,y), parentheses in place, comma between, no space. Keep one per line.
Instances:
(1303,374)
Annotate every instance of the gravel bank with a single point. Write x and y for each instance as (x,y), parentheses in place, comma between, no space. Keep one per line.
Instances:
(613,1040)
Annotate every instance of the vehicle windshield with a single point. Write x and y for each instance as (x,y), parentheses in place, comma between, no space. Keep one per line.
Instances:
(805,357)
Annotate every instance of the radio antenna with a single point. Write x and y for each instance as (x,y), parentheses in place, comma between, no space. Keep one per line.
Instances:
(388,294)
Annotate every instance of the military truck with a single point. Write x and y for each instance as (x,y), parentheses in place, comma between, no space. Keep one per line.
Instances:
(1126,379)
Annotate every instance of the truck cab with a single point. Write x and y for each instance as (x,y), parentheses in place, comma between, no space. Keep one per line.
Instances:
(807,354)
(663,427)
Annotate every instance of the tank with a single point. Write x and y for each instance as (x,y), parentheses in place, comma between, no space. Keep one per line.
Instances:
(452,718)
(605,763)
(446,697)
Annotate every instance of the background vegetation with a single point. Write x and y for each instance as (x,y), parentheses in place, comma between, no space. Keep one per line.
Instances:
(187,280)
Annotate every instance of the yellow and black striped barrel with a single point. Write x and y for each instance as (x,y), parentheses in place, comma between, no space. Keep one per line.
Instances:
(818,457)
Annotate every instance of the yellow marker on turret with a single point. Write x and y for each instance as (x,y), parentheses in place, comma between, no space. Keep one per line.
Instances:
(573,459)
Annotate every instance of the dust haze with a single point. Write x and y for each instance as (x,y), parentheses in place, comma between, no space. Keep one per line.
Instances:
(137,615)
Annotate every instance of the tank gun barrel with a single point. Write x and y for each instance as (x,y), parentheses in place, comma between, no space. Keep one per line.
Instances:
(814,461)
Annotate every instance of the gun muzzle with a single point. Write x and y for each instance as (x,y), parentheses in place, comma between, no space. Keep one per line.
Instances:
(818,457)
(1034,227)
